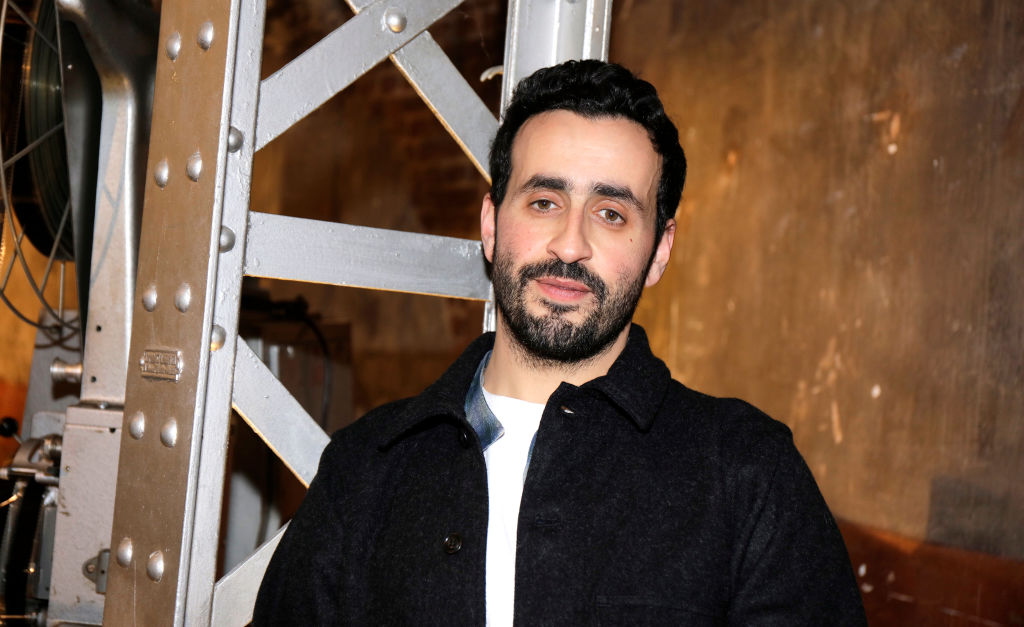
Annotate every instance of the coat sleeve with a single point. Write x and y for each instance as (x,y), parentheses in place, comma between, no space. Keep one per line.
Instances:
(306,568)
(790,565)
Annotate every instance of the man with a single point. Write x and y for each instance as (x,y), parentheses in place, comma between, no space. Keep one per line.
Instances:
(556,474)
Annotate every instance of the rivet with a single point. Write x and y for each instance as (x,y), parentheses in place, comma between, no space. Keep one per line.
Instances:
(217,337)
(194,166)
(161,173)
(394,20)
(155,566)
(183,297)
(149,298)
(169,434)
(124,552)
(137,426)
(205,38)
(234,139)
(227,239)
(173,46)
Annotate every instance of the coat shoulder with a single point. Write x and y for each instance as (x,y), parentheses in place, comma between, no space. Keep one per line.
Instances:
(727,421)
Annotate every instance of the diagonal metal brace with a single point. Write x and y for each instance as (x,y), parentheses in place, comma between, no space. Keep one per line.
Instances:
(338,59)
(274,414)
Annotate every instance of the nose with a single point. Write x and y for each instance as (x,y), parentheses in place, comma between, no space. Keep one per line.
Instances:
(569,242)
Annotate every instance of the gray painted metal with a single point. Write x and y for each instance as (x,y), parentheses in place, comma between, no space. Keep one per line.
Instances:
(466,118)
(265,404)
(541,34)
(335,61)
(228,242)
(121,44)
(235,593)
(431,73)
(43,393)
(88,477)
(297,249)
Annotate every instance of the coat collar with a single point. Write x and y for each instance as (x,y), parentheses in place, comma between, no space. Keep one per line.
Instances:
(636,383)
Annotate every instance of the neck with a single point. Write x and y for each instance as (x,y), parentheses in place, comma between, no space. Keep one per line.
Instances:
(513,372)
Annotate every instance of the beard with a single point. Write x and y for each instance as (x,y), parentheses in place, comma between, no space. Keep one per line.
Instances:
(552,338)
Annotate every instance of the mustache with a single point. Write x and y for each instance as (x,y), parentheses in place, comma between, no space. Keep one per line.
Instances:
(557,268)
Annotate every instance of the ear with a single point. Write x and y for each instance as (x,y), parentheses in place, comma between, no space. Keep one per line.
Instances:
(487,217)
(661,254)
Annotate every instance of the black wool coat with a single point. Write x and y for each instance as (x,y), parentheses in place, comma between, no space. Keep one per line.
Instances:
(645,503)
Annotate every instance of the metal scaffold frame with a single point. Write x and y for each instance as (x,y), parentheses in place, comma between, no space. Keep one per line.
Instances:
(187,369)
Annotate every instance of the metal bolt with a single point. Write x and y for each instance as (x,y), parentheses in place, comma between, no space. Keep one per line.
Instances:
(227,239)
(234,139)
(124,552)
(155,566)
(169,434)
(173,46)
(217,337)
(149,298)
(205,38)
(194,166)
(64,372)
(394,20)
(161,173)
(183,297)
(137,426)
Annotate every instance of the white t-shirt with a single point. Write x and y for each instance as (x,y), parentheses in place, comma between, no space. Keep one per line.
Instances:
(506,471)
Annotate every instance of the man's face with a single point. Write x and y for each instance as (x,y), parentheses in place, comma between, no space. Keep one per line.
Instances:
(573,245)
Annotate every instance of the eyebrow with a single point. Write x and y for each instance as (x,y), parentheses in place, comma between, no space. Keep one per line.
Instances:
(621,193)
(541,181)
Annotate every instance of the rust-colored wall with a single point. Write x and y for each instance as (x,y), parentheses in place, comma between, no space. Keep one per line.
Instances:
(850,245)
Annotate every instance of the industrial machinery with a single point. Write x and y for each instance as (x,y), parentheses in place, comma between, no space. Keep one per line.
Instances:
(115,504)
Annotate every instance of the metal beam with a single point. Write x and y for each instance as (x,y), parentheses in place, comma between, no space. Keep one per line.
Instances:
(234,594)
(158,476)
(298,249)
(459,109)
(541,34)
(341,57)
(228,238)
(274,414)
(466,118)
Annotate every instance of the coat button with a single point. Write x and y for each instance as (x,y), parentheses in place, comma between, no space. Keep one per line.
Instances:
(452,543)
(464,438)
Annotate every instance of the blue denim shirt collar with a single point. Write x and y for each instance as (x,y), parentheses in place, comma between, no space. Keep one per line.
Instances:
(481,418)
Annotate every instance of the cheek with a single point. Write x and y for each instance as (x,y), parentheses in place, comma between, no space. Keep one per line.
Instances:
(518,240)
(628,262)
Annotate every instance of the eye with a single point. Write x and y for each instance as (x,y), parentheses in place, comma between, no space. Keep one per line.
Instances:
(611,216)
(543,204)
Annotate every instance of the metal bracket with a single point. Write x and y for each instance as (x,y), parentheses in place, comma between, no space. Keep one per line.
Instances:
(95,570)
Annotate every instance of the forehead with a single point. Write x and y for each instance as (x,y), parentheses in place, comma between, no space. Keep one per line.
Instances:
(585,151)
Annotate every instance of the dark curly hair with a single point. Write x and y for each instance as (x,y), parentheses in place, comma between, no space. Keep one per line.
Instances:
(593,89)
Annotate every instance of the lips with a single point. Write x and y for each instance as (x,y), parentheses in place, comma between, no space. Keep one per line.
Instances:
(562,289)
(561,283)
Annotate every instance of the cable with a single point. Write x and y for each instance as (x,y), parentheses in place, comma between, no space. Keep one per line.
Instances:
(325,395)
